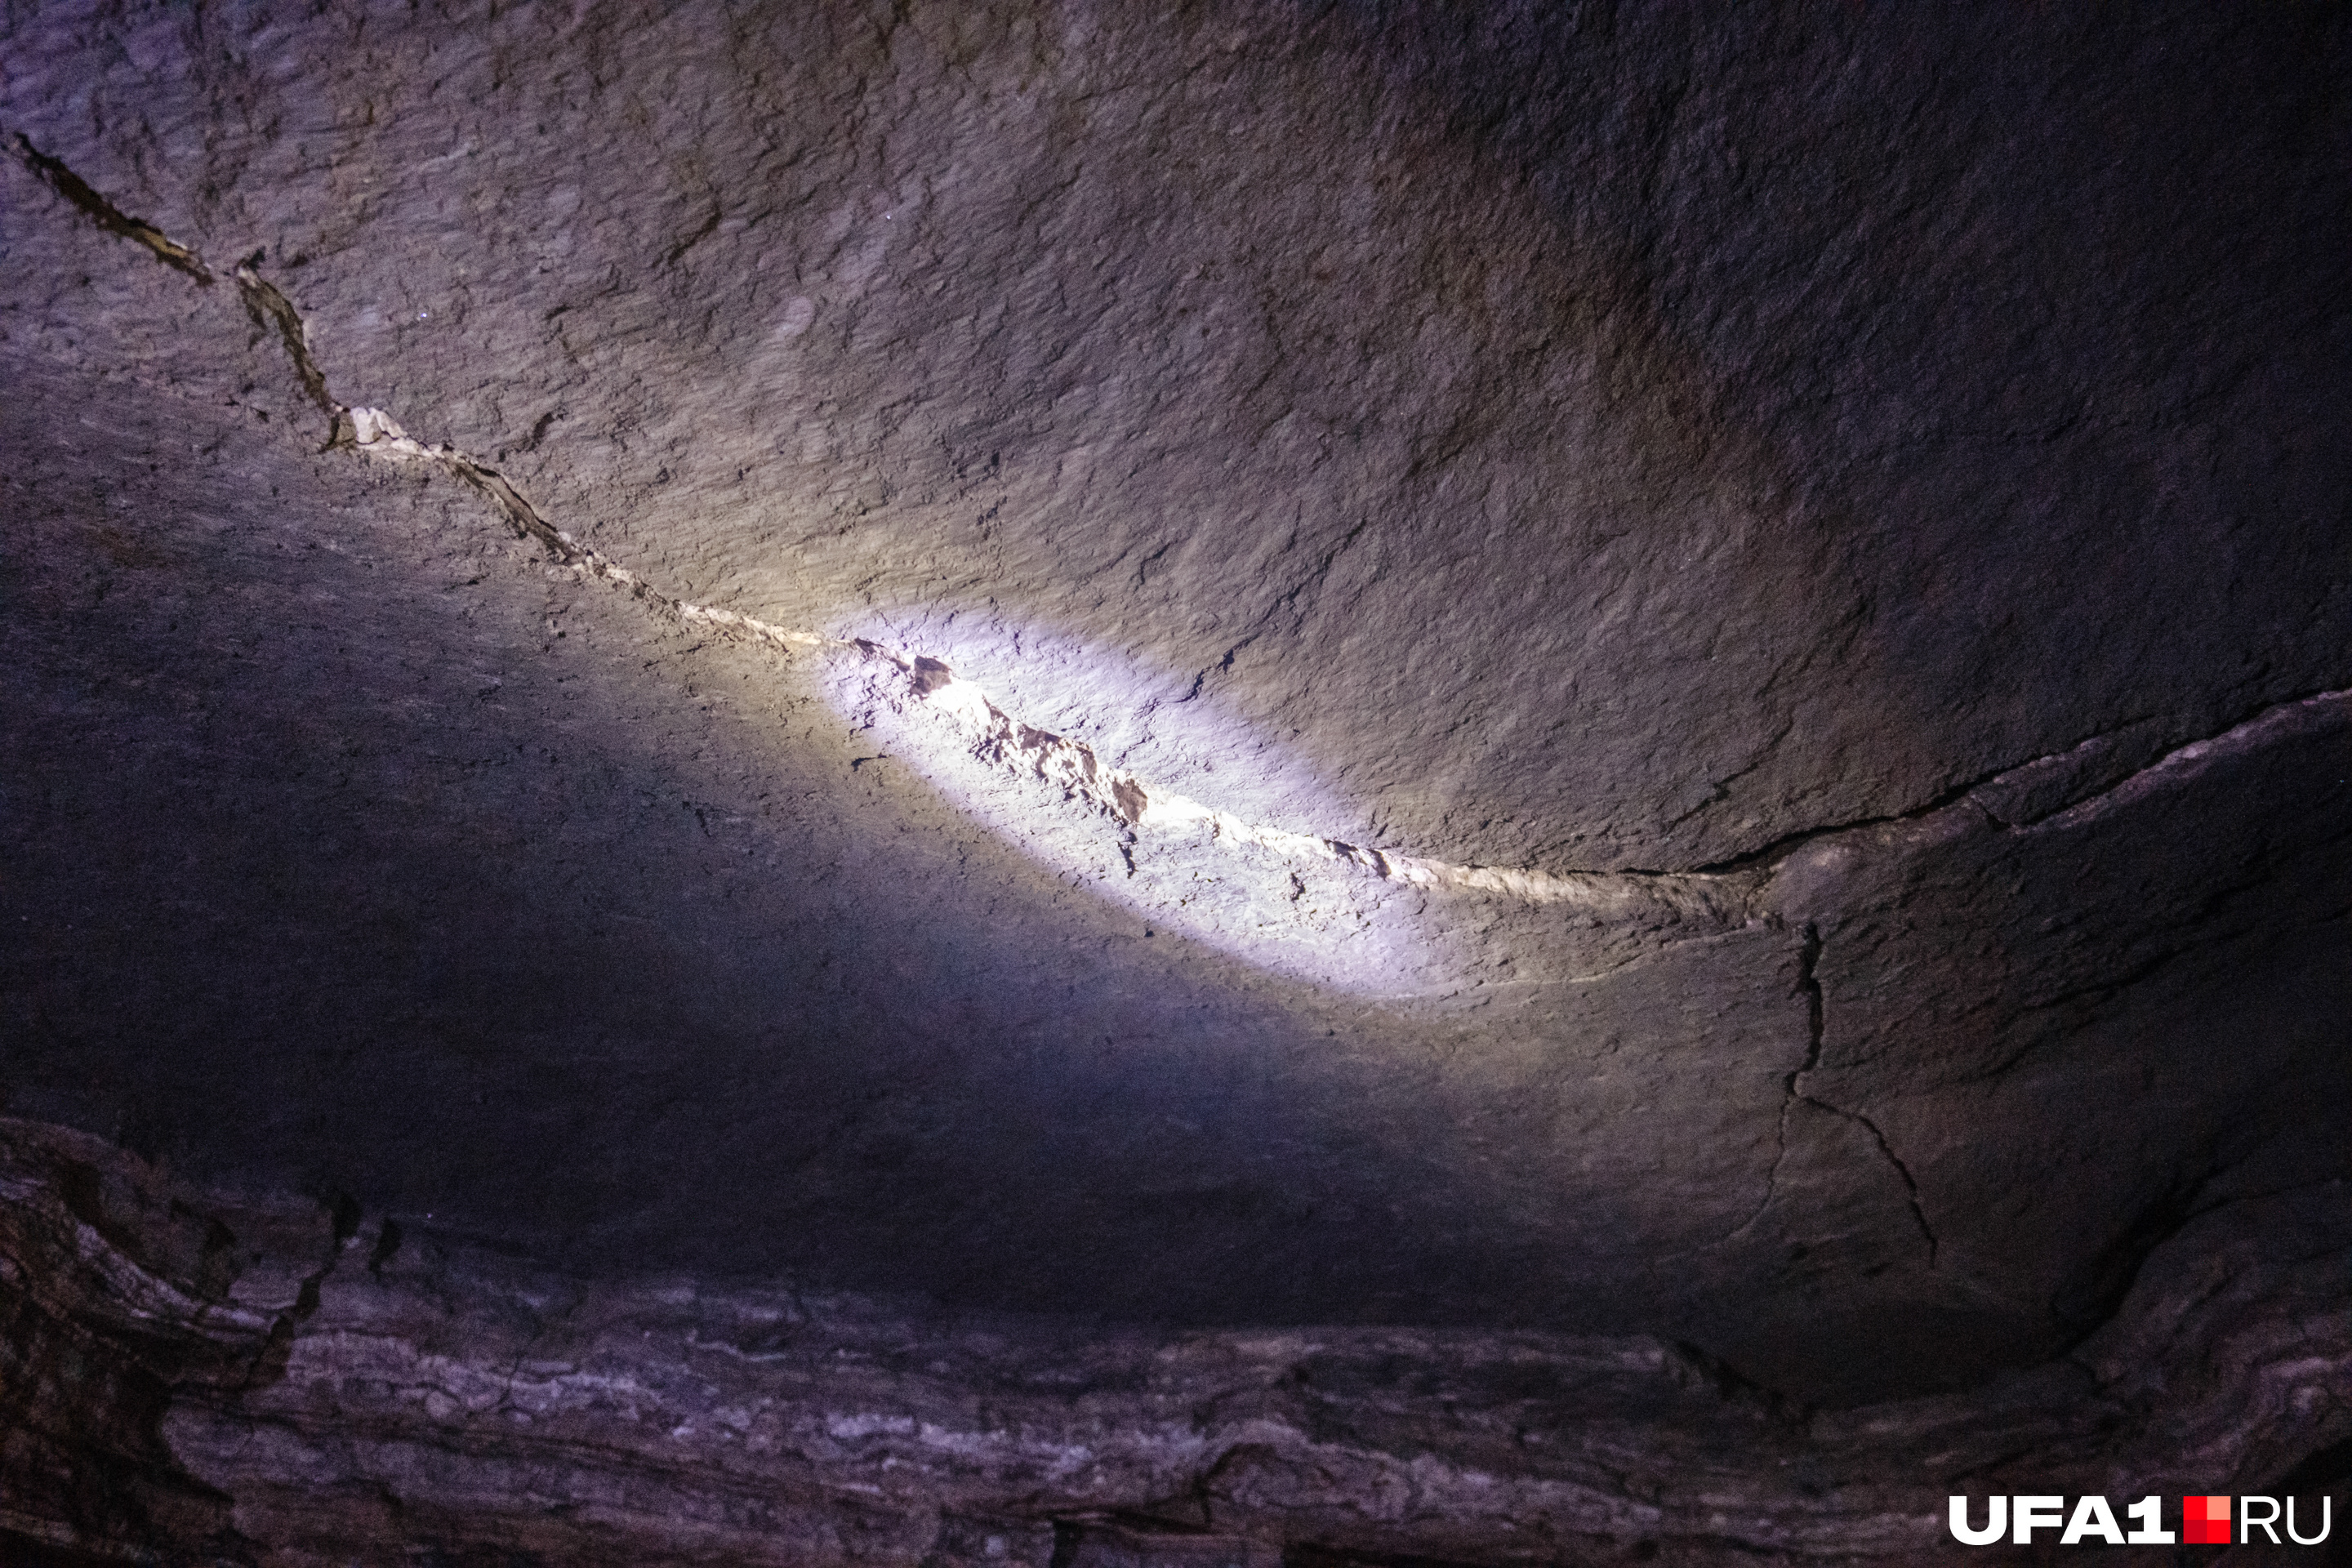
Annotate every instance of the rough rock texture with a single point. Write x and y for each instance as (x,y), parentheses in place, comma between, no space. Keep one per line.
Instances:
(436,1401)
(1418,769)
(1677,434)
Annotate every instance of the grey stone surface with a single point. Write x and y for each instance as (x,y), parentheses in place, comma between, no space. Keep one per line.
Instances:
(1310,671)
(1591,442)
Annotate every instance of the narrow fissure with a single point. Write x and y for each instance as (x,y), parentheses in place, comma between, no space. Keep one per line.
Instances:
(1722,892)
(269,1362)
(271,309)
(77,192)
(1808,987)
(1910,1186)
(1809,982)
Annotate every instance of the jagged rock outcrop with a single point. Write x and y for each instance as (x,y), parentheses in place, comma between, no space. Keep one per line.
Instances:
(1563,785)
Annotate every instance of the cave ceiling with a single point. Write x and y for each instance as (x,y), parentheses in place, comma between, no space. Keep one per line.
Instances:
(1628,725)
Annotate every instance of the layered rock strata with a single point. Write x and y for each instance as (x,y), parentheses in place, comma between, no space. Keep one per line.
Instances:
(242,1385)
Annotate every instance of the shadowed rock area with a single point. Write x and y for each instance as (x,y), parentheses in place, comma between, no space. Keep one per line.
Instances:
(1331,785)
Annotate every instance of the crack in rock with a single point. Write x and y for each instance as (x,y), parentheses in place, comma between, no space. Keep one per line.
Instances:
(1809,983)
(993,735)
(998,738)
(2273,722)
(1910,1185)
(74,190)
(268,1362)
(270,308)
(1808,987)
(1794,1093)
(1724,894)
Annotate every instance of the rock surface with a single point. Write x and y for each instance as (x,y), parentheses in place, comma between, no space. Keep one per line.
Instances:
(346,1387)
(1677,435)
(1271,707)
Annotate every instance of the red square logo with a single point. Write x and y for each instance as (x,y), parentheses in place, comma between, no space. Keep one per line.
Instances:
(2205,1520)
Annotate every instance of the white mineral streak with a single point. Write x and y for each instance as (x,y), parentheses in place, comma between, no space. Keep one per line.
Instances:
(766,631)
(1023,751)
(378,433)
(995,736)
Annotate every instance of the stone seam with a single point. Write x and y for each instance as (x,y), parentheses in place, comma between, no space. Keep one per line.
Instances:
(1725,893)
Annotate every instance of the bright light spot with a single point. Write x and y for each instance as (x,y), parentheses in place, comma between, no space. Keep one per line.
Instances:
(1076,757)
